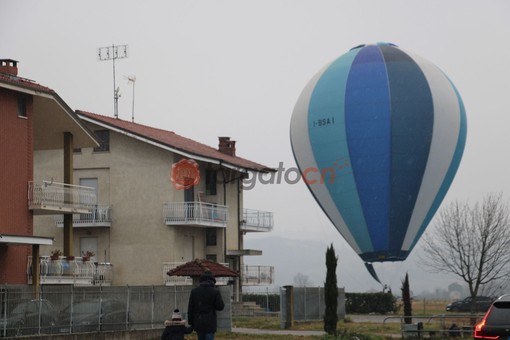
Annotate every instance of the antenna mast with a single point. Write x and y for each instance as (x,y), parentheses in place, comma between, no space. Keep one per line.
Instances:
(132,79)
(111,53)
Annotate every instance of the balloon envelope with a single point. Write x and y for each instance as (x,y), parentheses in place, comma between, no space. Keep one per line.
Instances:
(378,135)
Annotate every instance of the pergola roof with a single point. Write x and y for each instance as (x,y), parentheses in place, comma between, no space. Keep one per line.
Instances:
(197,267)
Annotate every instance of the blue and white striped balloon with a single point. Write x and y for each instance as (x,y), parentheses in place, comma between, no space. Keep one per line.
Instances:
(378,135)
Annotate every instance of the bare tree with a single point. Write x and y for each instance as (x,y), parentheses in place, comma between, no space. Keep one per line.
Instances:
(472,242)
(302,280)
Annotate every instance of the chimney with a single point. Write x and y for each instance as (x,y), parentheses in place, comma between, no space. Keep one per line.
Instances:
(9,66)
(227,146)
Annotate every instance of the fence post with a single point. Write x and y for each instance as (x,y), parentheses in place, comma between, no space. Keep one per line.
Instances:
(152,307)
(128,298)
(319,299)
(289,307)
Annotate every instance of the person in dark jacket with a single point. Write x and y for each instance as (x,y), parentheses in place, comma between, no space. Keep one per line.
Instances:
(204,301)
(175,328)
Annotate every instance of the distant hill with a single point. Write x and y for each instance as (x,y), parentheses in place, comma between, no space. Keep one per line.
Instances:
(291,257)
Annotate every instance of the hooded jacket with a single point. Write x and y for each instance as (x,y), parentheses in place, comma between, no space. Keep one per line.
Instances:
(204,301)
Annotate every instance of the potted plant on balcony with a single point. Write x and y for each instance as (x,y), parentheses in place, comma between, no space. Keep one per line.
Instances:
(86,255)
(55,254)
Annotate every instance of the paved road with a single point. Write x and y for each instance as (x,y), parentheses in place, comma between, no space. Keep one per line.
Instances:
(355,318)
(376,318)
(276,332)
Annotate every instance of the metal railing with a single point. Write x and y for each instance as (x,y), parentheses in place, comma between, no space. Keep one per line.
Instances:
(100,216)
(58,196)
(257,220)
(72,309)
(71,271)
(195,213)
(186,280)
(441,325)
(258,275)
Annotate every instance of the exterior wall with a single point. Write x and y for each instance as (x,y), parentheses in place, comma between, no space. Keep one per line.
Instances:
(16,165)
(134,179)
(48,165)
(233,197)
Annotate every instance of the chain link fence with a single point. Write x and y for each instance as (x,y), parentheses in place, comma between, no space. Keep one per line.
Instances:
(308,303)
(70,309)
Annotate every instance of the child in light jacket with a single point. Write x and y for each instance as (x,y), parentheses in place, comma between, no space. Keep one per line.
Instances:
(176,328)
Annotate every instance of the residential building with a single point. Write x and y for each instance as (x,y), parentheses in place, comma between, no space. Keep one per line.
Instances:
(153,211)
(33,117)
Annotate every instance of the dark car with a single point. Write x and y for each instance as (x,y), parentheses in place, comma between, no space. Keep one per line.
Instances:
(496,323)
(482,304)
(94,315)
(27,317)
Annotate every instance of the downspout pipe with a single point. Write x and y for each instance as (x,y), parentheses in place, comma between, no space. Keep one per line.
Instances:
(225,204)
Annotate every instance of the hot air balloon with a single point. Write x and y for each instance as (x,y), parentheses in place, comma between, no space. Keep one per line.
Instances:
(378,135)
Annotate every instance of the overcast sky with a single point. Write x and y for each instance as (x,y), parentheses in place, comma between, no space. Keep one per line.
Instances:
(207,68)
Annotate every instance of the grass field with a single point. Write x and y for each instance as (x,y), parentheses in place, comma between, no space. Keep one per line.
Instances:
(346,328)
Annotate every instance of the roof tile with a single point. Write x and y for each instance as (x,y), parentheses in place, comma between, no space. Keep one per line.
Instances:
(173,140)
(23,82)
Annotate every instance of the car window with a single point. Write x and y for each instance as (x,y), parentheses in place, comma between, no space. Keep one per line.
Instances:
(500,314)
(84,307)
(32,307)
(20,309)
(117,305)
(46,308)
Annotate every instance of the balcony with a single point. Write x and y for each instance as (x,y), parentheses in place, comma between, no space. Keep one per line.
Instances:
(258,275)
(75,271)
(99,217)
(186,280)
(59,198)
(256,220)
(252,276)
(197,214)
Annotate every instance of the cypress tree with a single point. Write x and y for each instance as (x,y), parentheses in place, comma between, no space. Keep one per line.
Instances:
(406,298)
(331,292)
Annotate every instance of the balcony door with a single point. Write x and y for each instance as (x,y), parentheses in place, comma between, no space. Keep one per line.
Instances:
(92,183)
(189,251)
(189,197)
(89,244)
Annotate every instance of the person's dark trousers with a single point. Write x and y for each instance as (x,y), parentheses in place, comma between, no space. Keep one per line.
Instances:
(205,336)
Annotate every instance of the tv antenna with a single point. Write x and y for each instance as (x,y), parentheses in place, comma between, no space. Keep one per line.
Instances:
(132,79)
(111,53)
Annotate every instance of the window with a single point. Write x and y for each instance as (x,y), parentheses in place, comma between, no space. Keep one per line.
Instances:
(89,182)
(104,139)
(22,106)
(210,237)
(210,182)
(211,257)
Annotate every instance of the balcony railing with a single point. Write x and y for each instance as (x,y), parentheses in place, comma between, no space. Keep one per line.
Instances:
(258,275)
(195,214)
(252,276)
(50,197)
(185,280)
(75,271)
(256,220)
(99,217)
